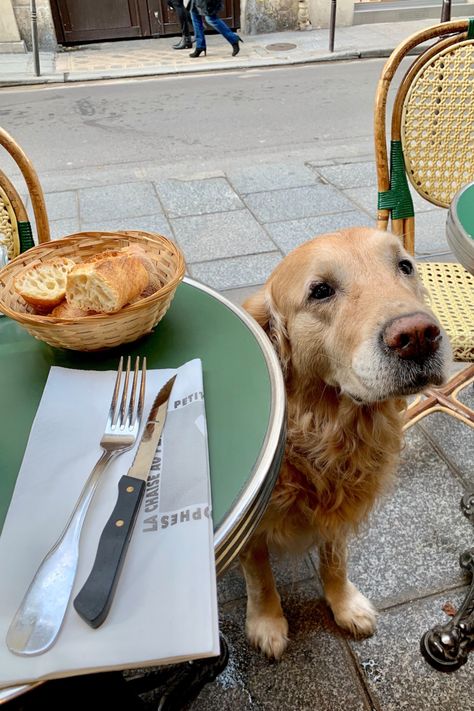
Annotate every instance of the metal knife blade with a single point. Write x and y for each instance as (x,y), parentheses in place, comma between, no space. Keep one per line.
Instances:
(94,599)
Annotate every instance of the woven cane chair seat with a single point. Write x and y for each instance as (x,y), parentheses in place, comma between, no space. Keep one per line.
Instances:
(437,125)
(451,297)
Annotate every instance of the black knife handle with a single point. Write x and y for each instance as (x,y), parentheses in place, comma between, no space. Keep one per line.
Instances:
(94,599)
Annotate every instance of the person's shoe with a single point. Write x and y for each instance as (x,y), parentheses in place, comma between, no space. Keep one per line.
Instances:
(184,43)
(197,52)
(235,47)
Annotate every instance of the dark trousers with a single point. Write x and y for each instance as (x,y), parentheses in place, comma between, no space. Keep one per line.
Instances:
(182,14)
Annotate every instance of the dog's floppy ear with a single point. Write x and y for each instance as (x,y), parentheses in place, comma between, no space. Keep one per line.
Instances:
(257,307)
(263,309)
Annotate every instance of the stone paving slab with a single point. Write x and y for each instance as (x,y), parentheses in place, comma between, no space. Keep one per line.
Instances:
(317,671)
(117,201)
(288,572)
(307,201)
(397,675)
(290,234)
(412,543)
(275,176)
(235,272)
(64,228)
(348,175)
(220,235)
(60,205)
(454,439)
(148,223)
(181,198)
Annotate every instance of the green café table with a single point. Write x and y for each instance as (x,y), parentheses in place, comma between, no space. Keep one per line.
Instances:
(244,394)
(460,226)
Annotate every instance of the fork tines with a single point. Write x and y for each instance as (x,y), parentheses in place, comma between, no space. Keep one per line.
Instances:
(119,415)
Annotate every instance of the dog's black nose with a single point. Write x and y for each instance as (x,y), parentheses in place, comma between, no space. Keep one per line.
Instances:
(415,336)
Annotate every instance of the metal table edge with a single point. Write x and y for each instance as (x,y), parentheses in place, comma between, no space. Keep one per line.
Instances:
(265,472)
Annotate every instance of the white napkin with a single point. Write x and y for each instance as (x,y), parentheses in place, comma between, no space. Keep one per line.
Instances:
(165,606)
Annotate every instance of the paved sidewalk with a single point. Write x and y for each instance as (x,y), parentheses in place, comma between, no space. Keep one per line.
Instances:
(151,57)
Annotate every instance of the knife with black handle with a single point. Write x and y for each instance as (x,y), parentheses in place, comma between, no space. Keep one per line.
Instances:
(93,601)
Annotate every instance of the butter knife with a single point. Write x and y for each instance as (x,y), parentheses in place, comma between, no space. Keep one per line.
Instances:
(93,601)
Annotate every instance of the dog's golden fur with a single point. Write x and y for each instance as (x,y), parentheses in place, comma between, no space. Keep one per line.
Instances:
(345,410)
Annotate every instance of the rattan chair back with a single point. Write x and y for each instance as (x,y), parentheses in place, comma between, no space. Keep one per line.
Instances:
(15,227)
(432,124)
(431,147)
(437,124)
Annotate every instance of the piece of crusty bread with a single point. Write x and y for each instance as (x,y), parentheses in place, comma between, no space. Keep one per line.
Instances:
(155,281)
(44,285)
(106,282)
(65,310)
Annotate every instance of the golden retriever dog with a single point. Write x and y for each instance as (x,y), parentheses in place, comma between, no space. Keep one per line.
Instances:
(346,315)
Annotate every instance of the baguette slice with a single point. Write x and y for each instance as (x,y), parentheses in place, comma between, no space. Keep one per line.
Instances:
(155,282)
(65,310)
(44,285)
(106,282)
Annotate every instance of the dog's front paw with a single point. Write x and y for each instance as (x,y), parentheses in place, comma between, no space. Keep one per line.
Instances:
(269,634)
(352,611)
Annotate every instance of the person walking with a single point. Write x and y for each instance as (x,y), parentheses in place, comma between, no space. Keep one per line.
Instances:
(209,9)
(181,11)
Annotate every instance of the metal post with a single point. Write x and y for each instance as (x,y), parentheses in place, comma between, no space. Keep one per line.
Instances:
(34,38)
(332,25)
(446,11)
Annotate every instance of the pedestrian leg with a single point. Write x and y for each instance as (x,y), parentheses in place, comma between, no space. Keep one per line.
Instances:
(219,25)
(181,12)
(199,34)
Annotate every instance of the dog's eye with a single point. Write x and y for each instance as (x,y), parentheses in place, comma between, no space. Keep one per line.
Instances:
(405,266)
(321,291)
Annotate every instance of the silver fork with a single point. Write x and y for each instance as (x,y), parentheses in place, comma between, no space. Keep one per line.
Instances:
(39,618)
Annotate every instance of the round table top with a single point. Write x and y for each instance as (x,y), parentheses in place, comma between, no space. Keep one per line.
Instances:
(243,386)
(464,205)
(460,226)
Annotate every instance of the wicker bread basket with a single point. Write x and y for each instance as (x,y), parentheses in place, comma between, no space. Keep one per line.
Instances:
(100,331)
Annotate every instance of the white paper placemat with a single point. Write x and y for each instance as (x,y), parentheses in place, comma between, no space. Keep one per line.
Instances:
(165,605)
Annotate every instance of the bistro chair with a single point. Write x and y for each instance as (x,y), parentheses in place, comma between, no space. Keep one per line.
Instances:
(15,225)
(432,142)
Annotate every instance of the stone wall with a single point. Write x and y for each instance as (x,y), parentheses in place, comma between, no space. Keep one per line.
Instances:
(320,13)
(10,40)
(261,16)
(46,34)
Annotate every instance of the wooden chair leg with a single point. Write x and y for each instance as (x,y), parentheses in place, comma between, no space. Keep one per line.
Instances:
(444,399)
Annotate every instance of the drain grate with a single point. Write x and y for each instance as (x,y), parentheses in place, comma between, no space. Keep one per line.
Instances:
(281,46)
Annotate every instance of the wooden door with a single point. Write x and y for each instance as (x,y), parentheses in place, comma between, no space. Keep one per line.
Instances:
(81,21)
(89,20)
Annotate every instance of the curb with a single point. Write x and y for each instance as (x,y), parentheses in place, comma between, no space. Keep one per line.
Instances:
(147,72)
